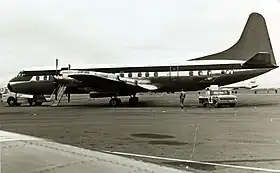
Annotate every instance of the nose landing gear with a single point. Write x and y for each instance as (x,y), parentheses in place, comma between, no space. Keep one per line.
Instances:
(133,101)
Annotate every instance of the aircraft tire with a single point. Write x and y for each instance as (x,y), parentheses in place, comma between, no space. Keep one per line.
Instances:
(30,102)
(39,103)
(12,101)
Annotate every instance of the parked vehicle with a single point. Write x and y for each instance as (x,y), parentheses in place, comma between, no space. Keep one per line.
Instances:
(218,97)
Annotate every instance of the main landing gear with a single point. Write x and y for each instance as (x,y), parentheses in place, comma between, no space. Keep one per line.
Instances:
(34,102)
(133,101)
(114,102)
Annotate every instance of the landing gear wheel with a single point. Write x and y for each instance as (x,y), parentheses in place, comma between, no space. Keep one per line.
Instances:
(39,103)
(30,101)
(115,102)
(133,101)
(34,102)
(12,101)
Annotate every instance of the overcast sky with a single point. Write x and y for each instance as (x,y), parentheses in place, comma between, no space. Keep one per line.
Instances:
(92,33)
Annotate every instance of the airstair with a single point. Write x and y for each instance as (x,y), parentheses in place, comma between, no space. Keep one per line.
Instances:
(60,91)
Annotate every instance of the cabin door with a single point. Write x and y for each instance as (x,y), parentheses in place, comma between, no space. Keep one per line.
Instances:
(173,73)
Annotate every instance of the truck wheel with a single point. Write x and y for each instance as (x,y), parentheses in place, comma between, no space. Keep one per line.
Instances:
(39,103)
(114,102)
(216,104)
(11,101)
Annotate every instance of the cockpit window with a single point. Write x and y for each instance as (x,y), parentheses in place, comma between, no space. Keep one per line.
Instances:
(20,74)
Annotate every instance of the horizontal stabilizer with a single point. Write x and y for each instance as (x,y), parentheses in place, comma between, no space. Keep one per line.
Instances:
(260,60)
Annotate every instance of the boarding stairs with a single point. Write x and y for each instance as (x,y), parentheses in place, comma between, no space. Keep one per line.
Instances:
(60,91)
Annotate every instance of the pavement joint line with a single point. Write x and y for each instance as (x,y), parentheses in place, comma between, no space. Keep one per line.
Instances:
(193,161)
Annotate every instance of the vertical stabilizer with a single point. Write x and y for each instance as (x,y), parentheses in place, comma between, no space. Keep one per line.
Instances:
(254,39)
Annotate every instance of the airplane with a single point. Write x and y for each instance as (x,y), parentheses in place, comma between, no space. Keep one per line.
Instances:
(252,55)
(252,84)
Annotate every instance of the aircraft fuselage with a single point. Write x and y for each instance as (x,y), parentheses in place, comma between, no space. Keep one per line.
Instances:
(169,78)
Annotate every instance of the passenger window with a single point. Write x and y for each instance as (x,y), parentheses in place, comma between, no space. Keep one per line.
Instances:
(209,72)
(129,74)
(139,74)
(147,74)
(121,74)
(223,72)
(45,77)
(191,73)
(229,71)
(200,73)
(37,78)
(155,74)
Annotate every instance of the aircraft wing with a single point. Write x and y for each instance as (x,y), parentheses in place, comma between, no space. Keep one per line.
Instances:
(108,81)
(21,153)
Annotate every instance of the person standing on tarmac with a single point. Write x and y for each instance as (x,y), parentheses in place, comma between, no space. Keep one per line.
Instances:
(182,98)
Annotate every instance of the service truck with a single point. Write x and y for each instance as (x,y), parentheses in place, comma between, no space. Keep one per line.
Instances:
(16,99)
(217,97)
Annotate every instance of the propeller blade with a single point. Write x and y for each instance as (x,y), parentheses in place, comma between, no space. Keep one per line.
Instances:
(56,66)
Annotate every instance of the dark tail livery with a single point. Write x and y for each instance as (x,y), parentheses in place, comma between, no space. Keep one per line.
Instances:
(254,40)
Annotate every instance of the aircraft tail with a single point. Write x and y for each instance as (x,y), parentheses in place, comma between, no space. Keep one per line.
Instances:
(254,39)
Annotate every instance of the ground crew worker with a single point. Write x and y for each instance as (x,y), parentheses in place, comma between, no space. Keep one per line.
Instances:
(208,94)
(182,98)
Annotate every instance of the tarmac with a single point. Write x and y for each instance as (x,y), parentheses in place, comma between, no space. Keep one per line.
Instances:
(246,136)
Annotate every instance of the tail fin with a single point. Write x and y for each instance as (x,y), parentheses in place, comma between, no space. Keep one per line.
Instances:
(254,39)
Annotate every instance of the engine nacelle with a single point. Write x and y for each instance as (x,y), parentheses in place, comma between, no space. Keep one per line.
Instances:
(64,79)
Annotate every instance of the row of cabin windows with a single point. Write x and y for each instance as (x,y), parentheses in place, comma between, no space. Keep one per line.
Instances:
(191,73)
(147,74)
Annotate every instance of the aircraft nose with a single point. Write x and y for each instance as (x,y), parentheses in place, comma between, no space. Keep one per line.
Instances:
(9,86)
